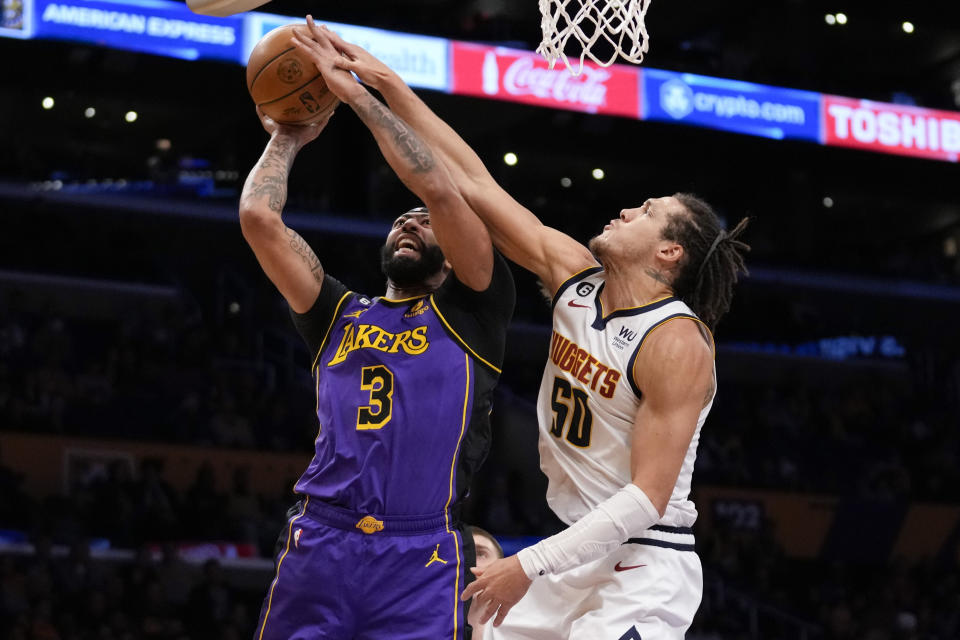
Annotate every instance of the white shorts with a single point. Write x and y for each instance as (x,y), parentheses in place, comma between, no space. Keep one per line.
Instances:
(640,591)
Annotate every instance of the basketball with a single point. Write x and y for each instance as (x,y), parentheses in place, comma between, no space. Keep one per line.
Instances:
(284,83)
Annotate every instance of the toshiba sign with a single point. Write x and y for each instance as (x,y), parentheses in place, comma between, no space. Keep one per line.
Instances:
(891,128)
(522,76)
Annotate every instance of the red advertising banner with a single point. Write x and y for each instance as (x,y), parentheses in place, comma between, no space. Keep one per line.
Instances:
(523,76)
(891,128)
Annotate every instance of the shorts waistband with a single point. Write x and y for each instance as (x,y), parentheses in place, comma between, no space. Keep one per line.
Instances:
(678,538)
(373,524)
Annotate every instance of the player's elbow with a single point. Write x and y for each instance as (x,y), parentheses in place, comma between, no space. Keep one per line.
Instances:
(658,497)
(440,195)
(257,222)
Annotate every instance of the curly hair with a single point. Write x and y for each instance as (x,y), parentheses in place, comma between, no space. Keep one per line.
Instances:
(713,258)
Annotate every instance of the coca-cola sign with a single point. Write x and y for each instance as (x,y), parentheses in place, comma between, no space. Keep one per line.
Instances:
(523,77)
(520,76)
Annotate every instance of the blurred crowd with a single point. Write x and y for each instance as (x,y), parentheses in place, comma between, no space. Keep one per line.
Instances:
(173,377)
(869,439)
(837,599)
(130,507)
(45,597)
(159,377)
(753,589)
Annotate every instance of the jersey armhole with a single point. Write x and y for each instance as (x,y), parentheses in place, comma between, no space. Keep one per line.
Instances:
(336,314)
(704,331)
(459,340)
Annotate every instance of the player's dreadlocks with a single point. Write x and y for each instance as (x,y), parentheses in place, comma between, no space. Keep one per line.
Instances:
(713,258)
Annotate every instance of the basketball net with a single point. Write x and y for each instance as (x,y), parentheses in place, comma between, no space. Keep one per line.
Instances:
(587,22)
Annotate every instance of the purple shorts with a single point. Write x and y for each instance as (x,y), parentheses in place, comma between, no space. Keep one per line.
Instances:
(348,576)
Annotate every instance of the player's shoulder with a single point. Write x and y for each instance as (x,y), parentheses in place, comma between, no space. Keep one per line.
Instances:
(681,337)
(494,304)
(581,284)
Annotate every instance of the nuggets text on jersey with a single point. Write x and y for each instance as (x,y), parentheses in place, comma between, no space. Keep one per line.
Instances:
(569,356)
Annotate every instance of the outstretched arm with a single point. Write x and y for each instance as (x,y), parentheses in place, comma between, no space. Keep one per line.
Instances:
(516,231)
(462,236)
(285,257)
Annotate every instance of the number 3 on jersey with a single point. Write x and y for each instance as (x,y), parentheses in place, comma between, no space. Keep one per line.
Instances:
(378,381)
(568,401)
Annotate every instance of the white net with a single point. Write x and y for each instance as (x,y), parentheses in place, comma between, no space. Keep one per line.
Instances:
(589,22)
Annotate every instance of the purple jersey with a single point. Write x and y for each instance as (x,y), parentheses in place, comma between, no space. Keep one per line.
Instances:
(403,395)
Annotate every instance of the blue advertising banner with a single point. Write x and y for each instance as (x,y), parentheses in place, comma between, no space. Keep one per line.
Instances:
(149,26)
(422,61)
(731,105)
(16,21)
(168,28)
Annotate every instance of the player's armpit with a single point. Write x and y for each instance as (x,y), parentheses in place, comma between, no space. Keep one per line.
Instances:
(285,257)
(674,372)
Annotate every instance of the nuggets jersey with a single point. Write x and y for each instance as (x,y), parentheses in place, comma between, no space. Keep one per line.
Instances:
(588,400)
(403,393)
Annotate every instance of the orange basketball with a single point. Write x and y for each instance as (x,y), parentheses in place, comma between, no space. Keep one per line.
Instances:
(284,83)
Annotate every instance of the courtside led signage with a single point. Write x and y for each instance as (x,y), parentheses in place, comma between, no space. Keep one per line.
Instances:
(891,128)
(164,28)
(731,105)
(523,76)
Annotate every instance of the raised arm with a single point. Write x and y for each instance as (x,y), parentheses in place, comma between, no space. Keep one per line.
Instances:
(516,231)
(285,257)
(462,236)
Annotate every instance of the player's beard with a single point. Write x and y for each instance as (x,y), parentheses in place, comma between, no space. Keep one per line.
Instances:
(407,271)
(597,248)
(605,253)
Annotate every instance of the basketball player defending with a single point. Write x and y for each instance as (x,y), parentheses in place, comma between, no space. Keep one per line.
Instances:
(628,384)
(375,548)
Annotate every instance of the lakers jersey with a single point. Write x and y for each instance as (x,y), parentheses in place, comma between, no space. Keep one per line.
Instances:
(589,400)
(403,390)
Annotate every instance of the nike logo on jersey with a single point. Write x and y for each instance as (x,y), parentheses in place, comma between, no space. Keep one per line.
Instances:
(620,567)
(574,304)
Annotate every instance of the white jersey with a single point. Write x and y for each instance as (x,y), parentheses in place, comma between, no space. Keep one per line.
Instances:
(589,400)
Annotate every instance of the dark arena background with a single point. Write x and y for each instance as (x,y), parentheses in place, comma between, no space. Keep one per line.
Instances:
(156,403)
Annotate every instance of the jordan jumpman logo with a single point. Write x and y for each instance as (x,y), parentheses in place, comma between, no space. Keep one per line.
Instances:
(435,557)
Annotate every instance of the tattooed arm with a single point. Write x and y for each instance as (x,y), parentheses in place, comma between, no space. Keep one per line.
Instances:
(552,255)
(286,257)
(460,233)
(462,236)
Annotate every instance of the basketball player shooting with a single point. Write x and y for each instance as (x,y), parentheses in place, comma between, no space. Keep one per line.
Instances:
(375,548)
(627,387)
